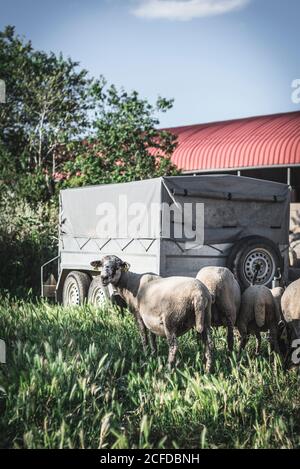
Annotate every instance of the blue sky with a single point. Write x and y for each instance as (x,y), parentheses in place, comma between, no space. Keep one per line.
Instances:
(219,59)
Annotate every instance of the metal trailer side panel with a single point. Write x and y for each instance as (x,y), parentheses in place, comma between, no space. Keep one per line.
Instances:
(143,255)
(177,261)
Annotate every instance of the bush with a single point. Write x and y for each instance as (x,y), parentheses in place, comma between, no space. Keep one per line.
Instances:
(27,239)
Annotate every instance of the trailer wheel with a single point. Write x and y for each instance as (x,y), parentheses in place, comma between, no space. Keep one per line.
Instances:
(255,255)
(98,294)
(75,289)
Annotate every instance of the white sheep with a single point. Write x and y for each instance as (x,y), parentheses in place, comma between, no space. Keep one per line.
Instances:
(168,307)
(225,289)
(258,313)
(277,293)
(289,328)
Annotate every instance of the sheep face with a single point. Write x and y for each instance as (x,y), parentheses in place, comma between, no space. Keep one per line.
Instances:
(111,269)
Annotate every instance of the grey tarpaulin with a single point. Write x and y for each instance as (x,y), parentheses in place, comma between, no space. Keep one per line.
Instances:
(85,208)
(234,207)
(98,220)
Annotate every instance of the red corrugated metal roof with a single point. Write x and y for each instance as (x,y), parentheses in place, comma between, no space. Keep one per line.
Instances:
(251,142)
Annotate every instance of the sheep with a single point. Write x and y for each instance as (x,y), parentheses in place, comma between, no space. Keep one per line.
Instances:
(277,293)
(224,287)
(168,307)
(258,313)
(289,327)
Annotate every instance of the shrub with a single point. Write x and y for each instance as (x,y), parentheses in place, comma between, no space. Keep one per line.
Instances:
(27,240)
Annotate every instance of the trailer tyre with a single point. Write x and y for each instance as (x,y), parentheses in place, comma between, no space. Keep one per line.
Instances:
(255,254)
(98,294)
(75,289)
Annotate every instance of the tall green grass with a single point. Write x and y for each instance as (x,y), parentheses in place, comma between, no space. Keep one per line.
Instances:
(77,378)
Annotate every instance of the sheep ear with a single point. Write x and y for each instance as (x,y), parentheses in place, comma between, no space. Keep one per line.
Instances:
(96,264)
(125,266)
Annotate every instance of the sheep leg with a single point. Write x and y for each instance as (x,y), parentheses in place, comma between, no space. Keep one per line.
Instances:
(243,343)
(230,336)
(173,347)
(274,341)
(142,330)
(226,313)
(152,342)
(206,336)
(258,342)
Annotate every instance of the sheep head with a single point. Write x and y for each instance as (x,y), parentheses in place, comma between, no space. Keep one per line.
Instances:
(283,339)
(111,269)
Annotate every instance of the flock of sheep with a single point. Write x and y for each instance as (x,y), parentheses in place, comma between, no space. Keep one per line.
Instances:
(171,306)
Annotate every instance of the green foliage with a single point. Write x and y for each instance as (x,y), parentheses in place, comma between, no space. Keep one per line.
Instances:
(27,240)
(47,103)
(60,125)
(51,105)
(127,145)
(78,378)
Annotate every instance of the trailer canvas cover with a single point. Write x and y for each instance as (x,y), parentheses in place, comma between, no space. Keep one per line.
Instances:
(97,220)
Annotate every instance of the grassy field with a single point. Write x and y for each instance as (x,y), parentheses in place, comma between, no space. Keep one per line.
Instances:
(78,378)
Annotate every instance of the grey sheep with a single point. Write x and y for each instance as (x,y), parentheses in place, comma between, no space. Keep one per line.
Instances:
(289,328)
(277,293)
(225,289)
(258,313)
(168,307)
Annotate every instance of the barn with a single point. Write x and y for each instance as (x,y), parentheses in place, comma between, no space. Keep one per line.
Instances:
(263,147)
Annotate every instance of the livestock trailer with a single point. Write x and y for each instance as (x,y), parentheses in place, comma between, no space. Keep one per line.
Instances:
(171,226)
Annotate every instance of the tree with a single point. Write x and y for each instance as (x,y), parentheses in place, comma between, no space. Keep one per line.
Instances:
(126,144)
(60,124)
(47,104)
